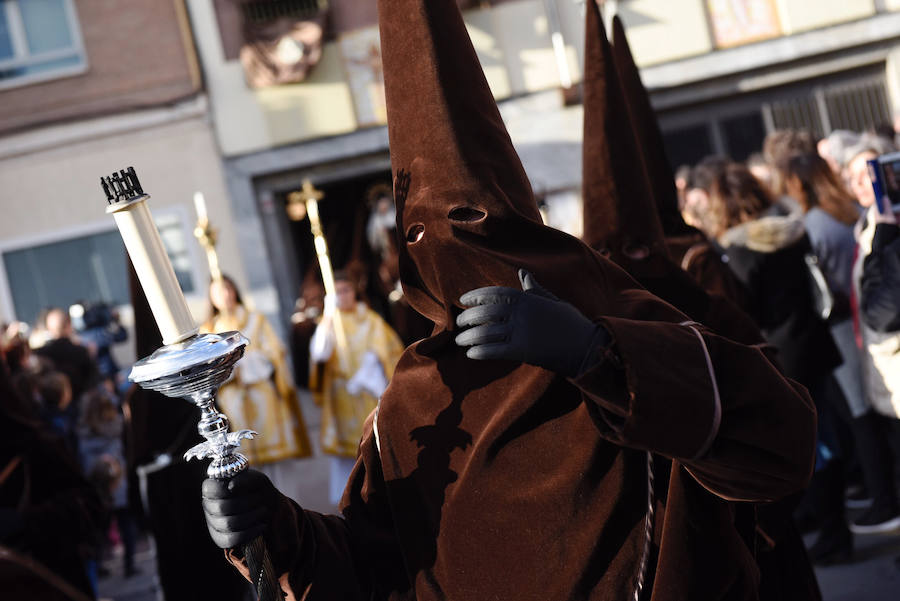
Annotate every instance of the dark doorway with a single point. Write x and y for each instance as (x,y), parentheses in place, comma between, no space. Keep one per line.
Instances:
(688,145)
(344,212)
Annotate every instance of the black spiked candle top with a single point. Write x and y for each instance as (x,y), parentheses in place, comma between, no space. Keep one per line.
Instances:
(121,186)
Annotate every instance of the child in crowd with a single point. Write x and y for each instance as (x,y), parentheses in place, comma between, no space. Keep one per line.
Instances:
(103,460)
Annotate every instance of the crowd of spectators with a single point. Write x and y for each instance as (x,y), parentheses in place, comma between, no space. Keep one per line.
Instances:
(65,495)
(816,263)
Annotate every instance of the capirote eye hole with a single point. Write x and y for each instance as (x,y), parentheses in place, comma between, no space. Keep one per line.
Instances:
(415,233)
(636,251)
(466,214)
(603,251)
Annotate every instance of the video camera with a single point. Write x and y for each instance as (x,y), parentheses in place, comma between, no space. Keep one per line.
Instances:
(87,316)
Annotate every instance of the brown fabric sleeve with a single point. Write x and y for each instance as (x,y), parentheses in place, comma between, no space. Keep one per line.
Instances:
(327,557)
(742,430)
(645,392)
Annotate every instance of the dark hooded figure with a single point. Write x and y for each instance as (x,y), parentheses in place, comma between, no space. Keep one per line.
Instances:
(517,468)
(688,246)
(620,221)
(619,215)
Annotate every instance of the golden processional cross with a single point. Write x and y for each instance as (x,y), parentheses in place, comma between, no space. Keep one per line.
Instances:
(307,200)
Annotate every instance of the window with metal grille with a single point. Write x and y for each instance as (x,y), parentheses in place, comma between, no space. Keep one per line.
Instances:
(686,146)
(736,126)
(743,134)
(269,10)
(798,113)
(87,268)
(858,106)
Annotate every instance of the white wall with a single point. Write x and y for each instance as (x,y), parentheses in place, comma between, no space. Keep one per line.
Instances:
(803,15)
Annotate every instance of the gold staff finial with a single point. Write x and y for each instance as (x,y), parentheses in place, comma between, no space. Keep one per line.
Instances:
(308,197)
(206,235)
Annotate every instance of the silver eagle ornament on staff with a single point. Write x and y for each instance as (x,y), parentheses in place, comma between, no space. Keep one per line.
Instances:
(190,365)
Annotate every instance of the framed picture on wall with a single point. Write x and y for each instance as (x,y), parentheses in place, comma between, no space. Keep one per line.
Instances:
(361,56)
(737,22)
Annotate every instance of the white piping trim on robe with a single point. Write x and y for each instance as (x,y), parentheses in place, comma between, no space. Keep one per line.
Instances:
(375,428)
(717,411)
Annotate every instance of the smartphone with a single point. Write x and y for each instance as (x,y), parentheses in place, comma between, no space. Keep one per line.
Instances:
(875,175)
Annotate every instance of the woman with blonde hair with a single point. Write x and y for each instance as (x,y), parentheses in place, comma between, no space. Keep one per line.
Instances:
(878,349)
(260,395)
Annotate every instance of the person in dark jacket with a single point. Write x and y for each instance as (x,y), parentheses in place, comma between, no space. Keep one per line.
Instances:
(766,246)
(66,356)
(879,307)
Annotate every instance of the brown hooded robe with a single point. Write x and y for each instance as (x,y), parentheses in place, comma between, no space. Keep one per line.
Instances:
(498,480)
(687,246)
(616,213)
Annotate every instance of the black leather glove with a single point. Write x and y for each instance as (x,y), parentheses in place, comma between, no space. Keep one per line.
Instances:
(239,509)
(529,325)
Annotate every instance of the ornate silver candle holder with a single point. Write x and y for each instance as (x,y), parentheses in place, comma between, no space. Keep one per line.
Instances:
(191,366)
(194,369)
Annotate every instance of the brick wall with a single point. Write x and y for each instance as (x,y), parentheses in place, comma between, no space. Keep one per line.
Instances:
(136,57)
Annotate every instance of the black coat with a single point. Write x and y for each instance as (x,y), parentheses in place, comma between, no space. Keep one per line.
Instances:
(880,288)
(767,256)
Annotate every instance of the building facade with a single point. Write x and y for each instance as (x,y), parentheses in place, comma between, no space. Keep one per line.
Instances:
(245,99)
(88,87)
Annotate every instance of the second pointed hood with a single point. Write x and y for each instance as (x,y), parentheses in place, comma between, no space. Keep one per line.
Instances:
(661,177)
(146,333)
(619,213)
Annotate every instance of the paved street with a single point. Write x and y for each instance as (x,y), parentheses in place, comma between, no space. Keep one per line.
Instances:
(873,575)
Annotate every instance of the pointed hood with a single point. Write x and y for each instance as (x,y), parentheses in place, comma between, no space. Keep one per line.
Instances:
(466,215)
(619,213)
(146,333)
(661,177)
(458,182)
(155,423)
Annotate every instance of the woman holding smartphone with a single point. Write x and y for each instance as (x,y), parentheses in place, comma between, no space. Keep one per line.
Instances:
(874,274)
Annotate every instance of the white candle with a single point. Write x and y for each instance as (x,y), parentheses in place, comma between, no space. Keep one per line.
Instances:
(200,206)
(153,269)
